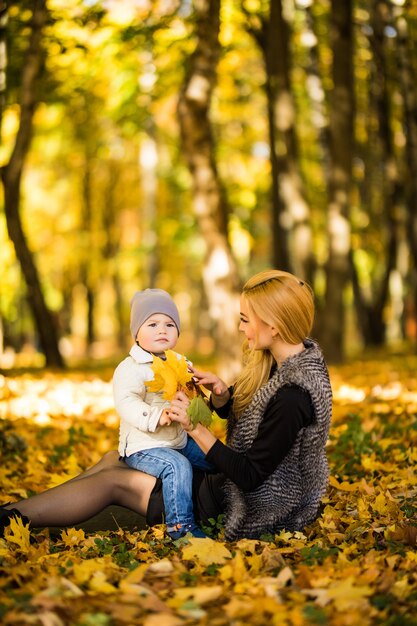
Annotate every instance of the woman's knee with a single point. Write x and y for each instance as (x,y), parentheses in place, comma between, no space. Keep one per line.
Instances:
(110,458)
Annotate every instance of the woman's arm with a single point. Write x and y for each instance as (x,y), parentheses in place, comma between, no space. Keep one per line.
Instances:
(288,412)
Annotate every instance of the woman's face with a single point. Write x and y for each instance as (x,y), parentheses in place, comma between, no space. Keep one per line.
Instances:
(259,334)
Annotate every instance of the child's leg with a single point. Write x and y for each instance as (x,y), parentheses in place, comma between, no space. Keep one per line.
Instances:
(176,474)
(196,456)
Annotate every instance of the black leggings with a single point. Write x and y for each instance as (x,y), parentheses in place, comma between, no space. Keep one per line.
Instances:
(208,499)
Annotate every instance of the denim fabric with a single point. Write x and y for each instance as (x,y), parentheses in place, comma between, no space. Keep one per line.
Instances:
(175,468)
(196,456)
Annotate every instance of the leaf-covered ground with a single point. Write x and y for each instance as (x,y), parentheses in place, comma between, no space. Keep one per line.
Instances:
(356,565)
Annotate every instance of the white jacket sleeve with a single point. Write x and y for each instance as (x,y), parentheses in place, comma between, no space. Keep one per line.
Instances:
(129,392)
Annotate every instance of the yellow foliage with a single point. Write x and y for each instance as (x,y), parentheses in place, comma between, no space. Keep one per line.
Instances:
(72,537)
(169,375)
(205,551)
(200,595)
(18,533)
(100,584)
(356,564)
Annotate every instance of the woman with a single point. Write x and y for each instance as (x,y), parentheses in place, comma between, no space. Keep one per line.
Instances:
(273,471)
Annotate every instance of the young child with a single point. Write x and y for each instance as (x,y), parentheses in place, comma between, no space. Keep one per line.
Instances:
(148,440)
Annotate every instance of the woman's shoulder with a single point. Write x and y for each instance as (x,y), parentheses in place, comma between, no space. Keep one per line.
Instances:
(291,400)
(292,393)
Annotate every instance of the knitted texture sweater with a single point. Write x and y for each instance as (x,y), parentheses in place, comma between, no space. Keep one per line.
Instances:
(290,497)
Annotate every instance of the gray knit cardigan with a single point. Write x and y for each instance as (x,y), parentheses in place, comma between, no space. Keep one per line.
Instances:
(290,497)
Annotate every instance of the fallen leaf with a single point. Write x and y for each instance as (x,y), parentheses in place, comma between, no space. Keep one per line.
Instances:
(344,593)
(99,583)
(205,551)
(18,533)
(72,537)
(201,595)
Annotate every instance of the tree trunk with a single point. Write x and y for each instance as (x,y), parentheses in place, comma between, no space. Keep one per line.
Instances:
(409,91)
(220,274)
(12,176)
(111,246)
(341,146)
(3,59)
(88,256)
(292,239)
(370,311)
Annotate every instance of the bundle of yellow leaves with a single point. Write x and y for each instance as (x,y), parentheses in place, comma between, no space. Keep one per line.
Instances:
(172,375)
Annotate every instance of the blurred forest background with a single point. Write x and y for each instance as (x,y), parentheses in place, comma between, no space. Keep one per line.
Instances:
(186,144)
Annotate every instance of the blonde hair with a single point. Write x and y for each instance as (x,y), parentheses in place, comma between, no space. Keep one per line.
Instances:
(283,301)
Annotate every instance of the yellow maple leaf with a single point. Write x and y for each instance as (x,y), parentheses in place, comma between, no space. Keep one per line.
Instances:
(343,486)
(205,551)
(84,571)
(18,533)
(169,375)
(162,379)
(72,537)
(179,366)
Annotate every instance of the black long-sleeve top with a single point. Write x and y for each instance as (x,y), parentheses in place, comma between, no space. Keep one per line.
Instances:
(287,412)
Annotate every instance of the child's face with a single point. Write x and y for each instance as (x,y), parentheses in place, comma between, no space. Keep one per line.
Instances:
(157,334)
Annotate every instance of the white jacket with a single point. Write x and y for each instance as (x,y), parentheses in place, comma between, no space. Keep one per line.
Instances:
(139,409)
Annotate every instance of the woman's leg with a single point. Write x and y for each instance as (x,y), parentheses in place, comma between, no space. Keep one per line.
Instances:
(109,459)
(83,497)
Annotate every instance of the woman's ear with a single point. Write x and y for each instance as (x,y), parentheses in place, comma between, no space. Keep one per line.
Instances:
(274,332)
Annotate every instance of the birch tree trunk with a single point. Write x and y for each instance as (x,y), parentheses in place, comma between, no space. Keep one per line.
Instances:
(12,177)
(292,239)
(341,147)
(220,274)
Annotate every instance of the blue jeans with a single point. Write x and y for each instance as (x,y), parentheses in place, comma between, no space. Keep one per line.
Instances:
(175,468)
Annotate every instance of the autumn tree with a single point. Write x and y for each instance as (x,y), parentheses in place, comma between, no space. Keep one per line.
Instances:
(340,174)
(407,79)
(220,274)
(381,189)
(291,230)
(11,175)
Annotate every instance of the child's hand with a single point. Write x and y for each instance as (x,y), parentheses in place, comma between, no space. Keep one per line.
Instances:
(220,392)
(165,420)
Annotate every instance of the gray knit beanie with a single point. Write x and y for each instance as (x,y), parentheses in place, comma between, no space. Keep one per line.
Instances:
(146,303)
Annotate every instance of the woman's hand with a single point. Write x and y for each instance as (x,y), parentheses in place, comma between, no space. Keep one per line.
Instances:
(178,410)
(220,393)
(178,413)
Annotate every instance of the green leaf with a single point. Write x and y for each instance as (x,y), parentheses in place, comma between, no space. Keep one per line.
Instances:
(199,412)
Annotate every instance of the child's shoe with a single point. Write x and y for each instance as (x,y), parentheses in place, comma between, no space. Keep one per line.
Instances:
(179,531)
(6,515)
